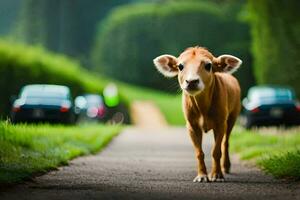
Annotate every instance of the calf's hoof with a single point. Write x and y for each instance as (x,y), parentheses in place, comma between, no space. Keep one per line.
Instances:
(201,178)
(217,177)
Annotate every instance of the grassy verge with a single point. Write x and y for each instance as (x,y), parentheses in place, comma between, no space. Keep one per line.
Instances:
(29,149)
(277,154)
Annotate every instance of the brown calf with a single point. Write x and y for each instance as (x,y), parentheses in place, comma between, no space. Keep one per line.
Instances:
(211,100)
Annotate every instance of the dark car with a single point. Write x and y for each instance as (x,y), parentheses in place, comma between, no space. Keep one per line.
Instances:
(270,105)
(50,103)
(90,107)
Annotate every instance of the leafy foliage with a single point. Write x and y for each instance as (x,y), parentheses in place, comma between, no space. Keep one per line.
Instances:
(69,30)
(8,14)
(132,35)
(275,33)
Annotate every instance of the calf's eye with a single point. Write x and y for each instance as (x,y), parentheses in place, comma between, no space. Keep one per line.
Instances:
(180,67)
(207,67)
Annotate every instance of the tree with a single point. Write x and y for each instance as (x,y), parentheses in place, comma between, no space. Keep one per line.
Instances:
(65,26)
(8,14)
(275,34)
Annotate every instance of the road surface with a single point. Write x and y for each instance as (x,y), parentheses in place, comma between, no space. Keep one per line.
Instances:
(149,164)
(147,114)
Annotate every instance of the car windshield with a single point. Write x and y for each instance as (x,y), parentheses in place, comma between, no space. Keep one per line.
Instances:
(45,91)
(93,100)
(262,94)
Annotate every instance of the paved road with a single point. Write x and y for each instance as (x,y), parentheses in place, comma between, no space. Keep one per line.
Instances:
(148,164)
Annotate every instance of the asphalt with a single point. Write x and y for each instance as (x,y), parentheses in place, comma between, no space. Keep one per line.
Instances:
(149,164)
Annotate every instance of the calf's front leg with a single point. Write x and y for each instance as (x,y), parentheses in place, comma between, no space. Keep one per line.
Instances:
(216,172)
(196,136)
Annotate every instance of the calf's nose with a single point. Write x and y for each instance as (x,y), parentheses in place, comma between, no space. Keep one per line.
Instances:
(192,84)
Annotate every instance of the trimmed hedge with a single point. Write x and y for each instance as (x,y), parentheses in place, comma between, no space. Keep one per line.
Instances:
(20,65)
(133,35)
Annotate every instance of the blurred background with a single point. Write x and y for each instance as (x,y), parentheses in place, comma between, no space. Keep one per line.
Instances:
(89,45)
(89,62)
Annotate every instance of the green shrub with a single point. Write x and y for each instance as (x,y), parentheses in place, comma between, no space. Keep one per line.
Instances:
(133,35)
(20,65)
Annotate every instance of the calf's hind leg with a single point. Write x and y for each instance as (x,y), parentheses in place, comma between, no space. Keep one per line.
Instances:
(225,160)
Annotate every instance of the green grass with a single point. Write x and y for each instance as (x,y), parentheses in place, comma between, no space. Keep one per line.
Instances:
(277,154)
(284,165)
(30,149)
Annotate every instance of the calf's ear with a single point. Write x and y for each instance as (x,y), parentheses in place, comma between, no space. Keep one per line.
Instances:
(227,63)
(166,64)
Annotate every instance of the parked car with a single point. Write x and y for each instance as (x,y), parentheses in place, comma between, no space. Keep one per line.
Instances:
(270,105)
(41,102)
(90,107)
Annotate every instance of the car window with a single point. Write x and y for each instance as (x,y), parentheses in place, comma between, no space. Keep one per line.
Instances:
(271,94)
(57,92)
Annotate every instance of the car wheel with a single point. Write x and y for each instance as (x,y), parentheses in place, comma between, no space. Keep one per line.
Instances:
(248,122)
(13,120)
